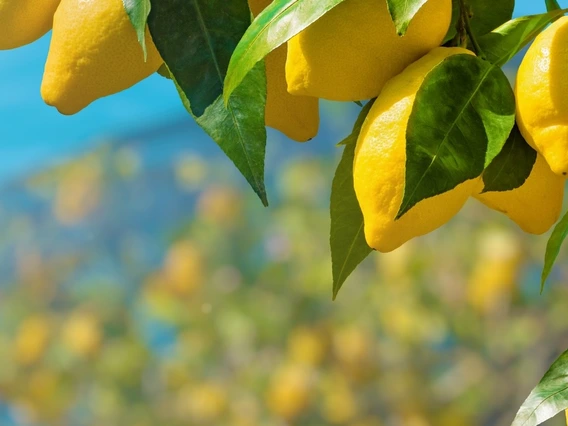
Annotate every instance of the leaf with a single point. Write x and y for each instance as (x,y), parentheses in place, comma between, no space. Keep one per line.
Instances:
(489,14)
(196,39)
(552,5)
(138,11)
(402,12)
(548,398)
(502,44)
(553,247)
(511,168)
(458,138)
(347,240)
(486,15)
(238,128)
(274,26)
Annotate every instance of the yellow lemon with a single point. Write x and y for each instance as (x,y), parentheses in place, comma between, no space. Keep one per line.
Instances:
(542,95)
(24,21)
(351,52)
(379,168)
(295,116)
(94,52)
(536,205)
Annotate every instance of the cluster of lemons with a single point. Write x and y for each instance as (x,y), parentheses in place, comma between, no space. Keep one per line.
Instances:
(352,53)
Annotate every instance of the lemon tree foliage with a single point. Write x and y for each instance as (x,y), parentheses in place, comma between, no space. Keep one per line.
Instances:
(346,216)
(512,166)
(441,122)
(548,398)
(456,140)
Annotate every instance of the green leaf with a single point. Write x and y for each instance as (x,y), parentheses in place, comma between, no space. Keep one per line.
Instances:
(347,240)
(138,11)
(548,398)
(274,26)
(553,247)
(402,12)
(461,118)
(552,5)
(486,15)
(196,38)
(500,45)
(511,168)
(238,127)
(489,14)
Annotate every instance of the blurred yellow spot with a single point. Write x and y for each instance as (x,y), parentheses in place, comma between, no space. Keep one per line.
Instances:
(127,163)
(183,268)
(339,403)
(32,340)
(205,402)
(220,205)
(190,171)
(307,346)
(82,334)
(493,280)
(352,345)
(78,192)
(289,392)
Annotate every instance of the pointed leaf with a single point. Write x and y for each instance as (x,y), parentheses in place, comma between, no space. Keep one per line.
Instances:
(511,168)
(548,398)
(402,12)
(457,139)
(502,44)
(347,240)
(552,5)
(138,11)
(196,38)
(238,128)
(277,24)
(553,247)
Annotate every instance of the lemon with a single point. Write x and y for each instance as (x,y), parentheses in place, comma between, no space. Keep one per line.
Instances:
(295,116)
(354,49)
(379,168)
(24,21)
(94,52)
(536,205)
(541,89)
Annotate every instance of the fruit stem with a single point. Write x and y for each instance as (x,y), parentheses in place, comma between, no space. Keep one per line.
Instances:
(465,16)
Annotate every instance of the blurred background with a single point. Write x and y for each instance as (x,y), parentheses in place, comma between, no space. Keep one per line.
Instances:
(143,284)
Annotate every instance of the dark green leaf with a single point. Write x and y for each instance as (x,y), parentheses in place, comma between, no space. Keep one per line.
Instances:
(347,240)
(138,11)
(277,24)
(548,398)
(552,5)
(165,72)
(238,127)
(402,12)
(486,15)
(500,45)
(489,14)
(553,247)
(196,38)
(462,116)
(511,168)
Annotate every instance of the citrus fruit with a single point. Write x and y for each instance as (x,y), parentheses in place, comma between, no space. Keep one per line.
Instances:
(94,52)
(536,205)
(542,101)
(351,52)
(379,167)
(295,116)
(24,21)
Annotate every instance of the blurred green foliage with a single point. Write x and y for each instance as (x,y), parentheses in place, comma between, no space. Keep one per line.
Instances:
(142,292)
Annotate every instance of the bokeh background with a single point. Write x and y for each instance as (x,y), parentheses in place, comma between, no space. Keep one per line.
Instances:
(143,284)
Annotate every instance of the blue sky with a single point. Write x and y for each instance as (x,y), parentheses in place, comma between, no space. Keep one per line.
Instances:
(33,134)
